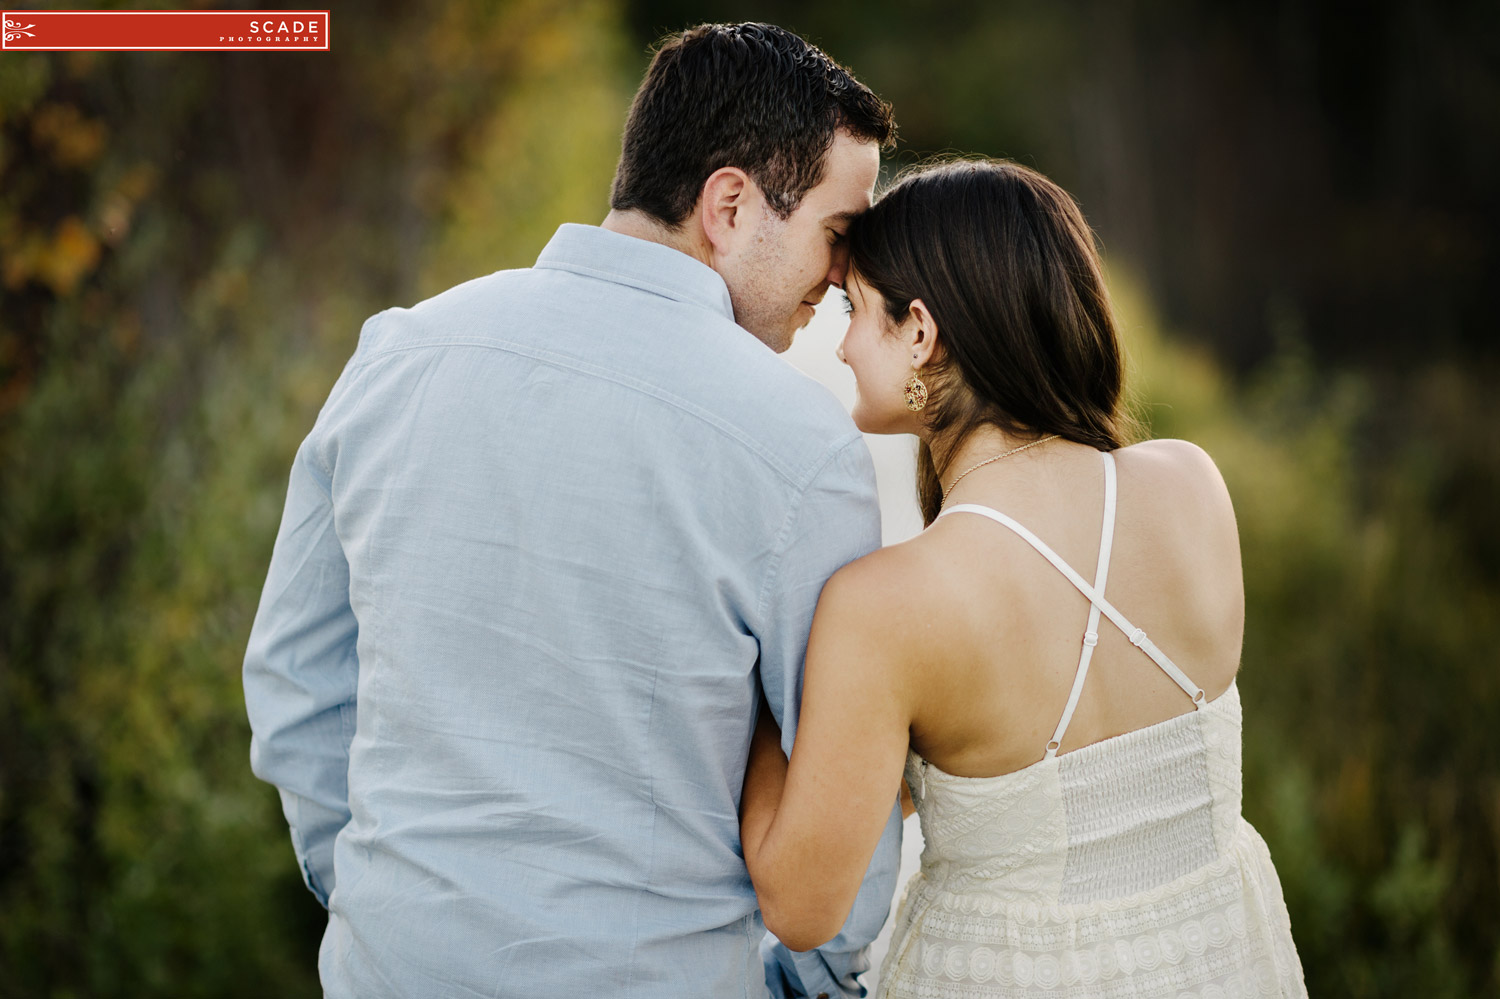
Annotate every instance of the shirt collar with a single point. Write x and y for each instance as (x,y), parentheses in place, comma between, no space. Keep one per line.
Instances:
(640,263)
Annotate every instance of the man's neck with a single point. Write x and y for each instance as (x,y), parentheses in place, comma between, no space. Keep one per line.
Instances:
(642,226)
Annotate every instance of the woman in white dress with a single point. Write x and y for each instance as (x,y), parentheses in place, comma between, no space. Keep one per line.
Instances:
(1078,782)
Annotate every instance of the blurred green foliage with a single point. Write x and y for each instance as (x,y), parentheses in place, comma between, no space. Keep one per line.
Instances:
(187,247)
(1370,692)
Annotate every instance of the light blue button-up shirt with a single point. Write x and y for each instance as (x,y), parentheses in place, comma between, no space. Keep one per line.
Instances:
(552,533)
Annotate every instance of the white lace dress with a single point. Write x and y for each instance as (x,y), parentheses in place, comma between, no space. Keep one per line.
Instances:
(1120,869)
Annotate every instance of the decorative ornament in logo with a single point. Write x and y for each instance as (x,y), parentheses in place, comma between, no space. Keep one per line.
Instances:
(15,29)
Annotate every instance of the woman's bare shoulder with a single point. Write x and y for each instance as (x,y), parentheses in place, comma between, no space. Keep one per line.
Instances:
(886,580)
(1169,452)
(1174,496)
(888,596)
(1175,468)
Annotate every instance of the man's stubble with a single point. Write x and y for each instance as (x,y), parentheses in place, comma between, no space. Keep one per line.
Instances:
(762,302)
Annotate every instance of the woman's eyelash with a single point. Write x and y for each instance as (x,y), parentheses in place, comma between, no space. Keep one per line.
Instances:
(848,307)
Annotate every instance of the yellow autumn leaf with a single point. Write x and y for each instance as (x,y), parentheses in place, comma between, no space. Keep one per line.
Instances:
(74,252)
(75,141)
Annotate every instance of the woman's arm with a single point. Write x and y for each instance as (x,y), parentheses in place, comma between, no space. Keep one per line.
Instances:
(765,779)
(809,827)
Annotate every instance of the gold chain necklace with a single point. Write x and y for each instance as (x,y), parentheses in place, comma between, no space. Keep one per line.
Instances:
(1007,454)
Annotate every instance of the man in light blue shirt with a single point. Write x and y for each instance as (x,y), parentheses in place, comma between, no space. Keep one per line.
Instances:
(554,533)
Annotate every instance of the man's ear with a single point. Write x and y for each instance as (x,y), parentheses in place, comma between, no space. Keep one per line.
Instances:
(921,334)
(729,202)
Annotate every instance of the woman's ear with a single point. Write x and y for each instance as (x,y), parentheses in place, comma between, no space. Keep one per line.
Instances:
(922,334)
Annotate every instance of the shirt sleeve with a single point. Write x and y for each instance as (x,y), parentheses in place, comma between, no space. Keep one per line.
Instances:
(836,520)
(301,669)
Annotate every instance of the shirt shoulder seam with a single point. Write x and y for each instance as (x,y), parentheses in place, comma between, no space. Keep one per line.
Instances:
(783,536)
(354,364)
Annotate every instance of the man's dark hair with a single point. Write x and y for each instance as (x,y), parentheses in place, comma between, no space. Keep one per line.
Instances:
(752,96)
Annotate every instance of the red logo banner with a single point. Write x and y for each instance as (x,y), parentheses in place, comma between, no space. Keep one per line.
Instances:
(166,30)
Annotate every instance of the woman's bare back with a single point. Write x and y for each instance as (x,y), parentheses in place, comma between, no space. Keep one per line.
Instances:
(1003,628)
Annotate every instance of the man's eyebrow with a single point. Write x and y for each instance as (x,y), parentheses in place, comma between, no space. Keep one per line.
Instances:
(840,217)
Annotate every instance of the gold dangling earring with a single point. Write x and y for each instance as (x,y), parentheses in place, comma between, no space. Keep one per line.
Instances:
(916,391)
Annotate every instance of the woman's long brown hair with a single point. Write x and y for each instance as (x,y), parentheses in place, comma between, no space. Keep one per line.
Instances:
(1006,264)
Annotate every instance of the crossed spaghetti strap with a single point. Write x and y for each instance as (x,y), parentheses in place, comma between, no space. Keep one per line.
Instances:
(1097,603)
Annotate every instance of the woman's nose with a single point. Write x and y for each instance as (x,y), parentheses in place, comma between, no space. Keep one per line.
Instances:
(839,352)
